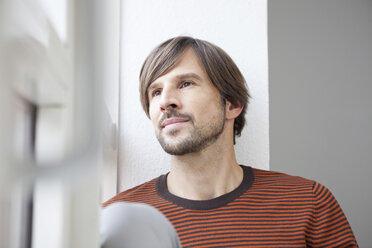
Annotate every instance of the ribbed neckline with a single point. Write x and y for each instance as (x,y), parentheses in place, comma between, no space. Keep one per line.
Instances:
(162,190)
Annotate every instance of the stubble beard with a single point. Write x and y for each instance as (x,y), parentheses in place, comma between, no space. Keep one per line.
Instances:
(198,139)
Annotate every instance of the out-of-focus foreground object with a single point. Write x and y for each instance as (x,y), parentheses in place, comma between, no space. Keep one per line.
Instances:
(50,112)
(127,225)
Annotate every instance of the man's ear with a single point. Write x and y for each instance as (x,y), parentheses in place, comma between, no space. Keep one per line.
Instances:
(233,111)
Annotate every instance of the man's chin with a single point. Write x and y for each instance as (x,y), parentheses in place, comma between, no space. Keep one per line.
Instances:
(177,150)
(175,146)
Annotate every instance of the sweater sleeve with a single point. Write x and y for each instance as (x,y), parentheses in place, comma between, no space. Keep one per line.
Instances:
(329,226)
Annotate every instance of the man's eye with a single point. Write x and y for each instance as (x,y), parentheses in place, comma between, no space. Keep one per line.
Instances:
(186,84)
(156,93)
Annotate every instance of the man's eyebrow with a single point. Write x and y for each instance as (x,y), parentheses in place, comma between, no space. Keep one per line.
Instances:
(152,86)
(182,76)
(188,75)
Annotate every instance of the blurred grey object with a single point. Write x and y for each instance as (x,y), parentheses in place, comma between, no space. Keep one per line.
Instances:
(133,225)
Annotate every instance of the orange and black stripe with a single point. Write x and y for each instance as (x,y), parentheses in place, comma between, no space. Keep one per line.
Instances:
(268,209)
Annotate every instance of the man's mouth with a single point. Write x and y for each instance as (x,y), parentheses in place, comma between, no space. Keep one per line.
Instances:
(173,122)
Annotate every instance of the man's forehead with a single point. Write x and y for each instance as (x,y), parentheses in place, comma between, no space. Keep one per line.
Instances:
(187,66)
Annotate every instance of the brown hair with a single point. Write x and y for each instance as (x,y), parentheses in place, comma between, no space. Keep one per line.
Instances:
(220,68)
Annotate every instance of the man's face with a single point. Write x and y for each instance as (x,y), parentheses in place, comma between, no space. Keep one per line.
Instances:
(187,111)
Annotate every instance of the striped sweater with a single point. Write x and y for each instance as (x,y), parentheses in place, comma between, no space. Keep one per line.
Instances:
(268,209)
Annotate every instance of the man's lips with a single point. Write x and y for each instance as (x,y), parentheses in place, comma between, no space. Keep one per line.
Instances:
(171,121)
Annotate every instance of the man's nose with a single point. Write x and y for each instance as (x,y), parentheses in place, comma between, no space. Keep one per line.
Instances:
(169,99)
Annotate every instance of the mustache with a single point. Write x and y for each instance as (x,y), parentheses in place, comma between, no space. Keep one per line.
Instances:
(174,113)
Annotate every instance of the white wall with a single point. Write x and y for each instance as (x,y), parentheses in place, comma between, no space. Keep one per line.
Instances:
(238,27)
(320,61)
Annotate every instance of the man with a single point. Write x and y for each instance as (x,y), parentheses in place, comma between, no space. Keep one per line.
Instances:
(196,98)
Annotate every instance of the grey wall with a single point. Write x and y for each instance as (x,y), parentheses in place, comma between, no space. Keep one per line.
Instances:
(320,92)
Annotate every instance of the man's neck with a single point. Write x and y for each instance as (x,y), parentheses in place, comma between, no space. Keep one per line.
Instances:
(205,175)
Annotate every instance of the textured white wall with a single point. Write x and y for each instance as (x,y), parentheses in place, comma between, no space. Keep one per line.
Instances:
(239,27)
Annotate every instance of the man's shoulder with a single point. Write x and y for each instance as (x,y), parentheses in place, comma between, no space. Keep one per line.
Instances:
(139,193)
(293,185)
(279,178)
